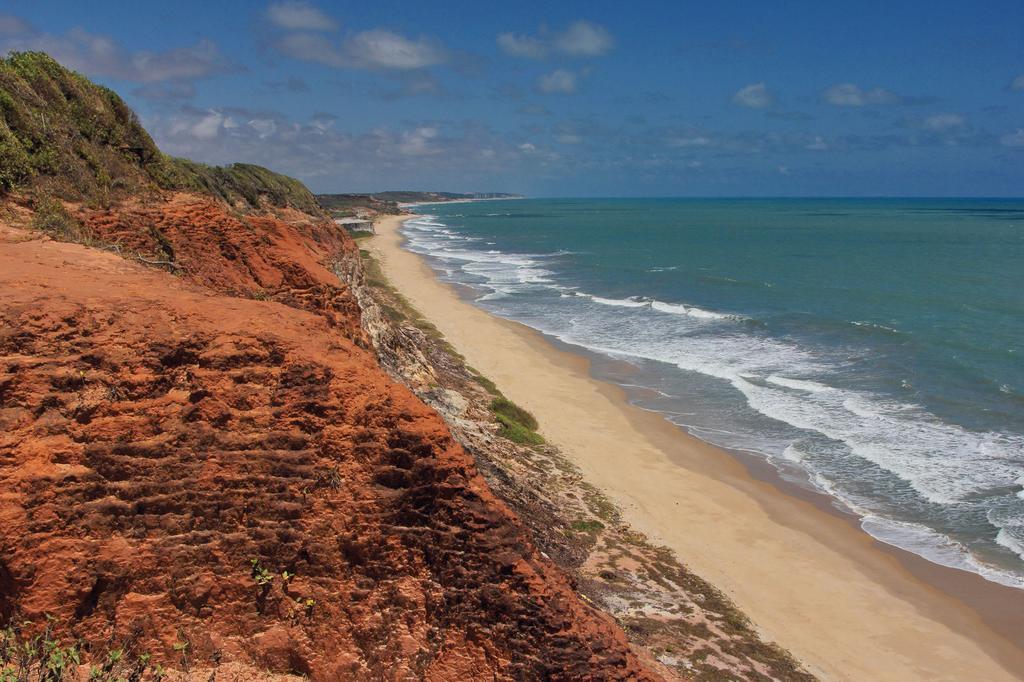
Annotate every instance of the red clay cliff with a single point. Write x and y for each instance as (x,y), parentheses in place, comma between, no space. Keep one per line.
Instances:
(196,446)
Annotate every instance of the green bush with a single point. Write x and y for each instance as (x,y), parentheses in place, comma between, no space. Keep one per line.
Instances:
(517,433)
(518,425)
(15,165)
(52,218)
(589,526)
(506,408)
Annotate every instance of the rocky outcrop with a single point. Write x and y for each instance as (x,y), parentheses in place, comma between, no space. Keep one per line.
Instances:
(198,456)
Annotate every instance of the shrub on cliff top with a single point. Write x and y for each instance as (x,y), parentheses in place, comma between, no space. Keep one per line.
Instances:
(63,135)
(51,217)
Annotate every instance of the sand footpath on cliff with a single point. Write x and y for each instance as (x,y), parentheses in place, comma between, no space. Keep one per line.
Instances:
(810,580)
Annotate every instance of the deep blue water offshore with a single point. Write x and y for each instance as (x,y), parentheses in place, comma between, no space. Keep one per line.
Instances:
(873,349)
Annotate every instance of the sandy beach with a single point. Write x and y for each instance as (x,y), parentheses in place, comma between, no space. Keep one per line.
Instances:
(845,605)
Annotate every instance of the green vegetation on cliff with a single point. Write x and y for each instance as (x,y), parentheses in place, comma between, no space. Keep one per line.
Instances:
(244,181)
(517,424)
(63,135)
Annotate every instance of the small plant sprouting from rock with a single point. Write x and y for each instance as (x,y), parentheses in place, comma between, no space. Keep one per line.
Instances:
(301,606)
(331,478)
(264,581)
(183,646)
(260,574)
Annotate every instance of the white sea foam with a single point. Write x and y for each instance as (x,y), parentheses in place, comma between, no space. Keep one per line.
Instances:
(620,302)
(689,310)
(1007,540)
(935,547)
(794,454)
(798,384)
(660,306)
(943,462)
(873,325)
(1011,528)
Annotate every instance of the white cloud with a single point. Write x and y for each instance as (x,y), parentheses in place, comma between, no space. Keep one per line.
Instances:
(376,49)
(942,122)
(417,142)
(296,15)
(580,39)
(817,144)
(850,95)
(466,154)
(1018,83)
(755,96)
(384,49)
(323,121)
(558,80)
(205,127)
(694,141)
(264,127)
(1013,139)
(584,39)
(99,55)
(522,46)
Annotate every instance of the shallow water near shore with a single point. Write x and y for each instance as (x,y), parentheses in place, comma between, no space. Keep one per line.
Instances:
(869,349)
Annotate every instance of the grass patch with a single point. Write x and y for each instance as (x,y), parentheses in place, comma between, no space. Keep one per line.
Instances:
(393,314)
(488,385)
(517,433)
(373,273)
(361,234)
(506,408)
(518,425)
(587,526)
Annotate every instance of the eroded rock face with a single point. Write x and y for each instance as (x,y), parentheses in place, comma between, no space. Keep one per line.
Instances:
(169,451)
(285,258)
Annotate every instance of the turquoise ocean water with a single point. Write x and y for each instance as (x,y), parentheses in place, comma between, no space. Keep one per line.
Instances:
(871,349)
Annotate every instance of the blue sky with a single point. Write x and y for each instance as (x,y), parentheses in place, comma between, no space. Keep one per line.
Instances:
(568,99)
